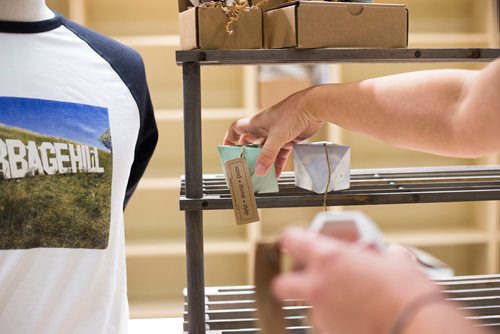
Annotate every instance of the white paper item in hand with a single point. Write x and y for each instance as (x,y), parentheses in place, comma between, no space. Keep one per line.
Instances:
(311,166)
(350,226)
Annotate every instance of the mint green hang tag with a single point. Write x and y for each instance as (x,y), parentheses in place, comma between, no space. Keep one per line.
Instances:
(261,184)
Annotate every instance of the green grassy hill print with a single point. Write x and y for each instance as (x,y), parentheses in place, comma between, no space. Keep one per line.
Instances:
(55,191)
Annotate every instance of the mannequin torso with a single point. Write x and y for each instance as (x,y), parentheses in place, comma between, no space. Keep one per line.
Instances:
(63,84)
(24,10)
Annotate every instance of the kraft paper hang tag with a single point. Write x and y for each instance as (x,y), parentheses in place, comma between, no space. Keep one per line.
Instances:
(242,195)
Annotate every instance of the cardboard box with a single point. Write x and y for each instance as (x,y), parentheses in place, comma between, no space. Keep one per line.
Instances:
(266,4)
(321,24)
(205,28)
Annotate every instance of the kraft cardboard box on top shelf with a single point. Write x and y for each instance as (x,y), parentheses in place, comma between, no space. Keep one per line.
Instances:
(322,24)
(266,4)
(205,28)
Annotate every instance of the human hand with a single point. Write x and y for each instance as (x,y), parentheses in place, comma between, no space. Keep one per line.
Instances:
(352,288)
(278,129)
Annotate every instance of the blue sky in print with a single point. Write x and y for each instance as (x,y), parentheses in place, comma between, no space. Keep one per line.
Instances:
(77,122)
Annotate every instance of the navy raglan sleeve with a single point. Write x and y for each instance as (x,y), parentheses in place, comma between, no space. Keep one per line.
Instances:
(128,64)
(146,143)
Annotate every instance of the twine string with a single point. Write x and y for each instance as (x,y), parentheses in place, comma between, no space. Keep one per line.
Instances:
(325,194)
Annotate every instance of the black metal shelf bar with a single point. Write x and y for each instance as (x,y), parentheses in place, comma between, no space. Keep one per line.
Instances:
(194,196)
(368,187)
(193,189)
(232,309)
(337,55)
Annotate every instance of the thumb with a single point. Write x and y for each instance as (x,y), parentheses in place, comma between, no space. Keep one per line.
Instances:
(268,155)
(402,252)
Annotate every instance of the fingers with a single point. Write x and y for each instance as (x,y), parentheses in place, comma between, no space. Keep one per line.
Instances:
(293,285)
(290,286)
(401,252)
(281,159)
(250,139)
(309,249)
(299,243)
(268,154)
(235,131)
(247,130)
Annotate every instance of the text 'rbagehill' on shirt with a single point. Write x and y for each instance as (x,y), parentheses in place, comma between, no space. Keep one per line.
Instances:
(18,160)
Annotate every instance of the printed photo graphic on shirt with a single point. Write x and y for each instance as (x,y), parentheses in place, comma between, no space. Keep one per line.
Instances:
(55,174)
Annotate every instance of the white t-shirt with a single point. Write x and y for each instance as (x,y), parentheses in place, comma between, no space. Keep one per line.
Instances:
(77,130)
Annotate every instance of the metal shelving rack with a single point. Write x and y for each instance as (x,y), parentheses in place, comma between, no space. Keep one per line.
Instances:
(376,186)
(231,309)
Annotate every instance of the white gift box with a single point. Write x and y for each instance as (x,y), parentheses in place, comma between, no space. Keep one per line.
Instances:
(311,166)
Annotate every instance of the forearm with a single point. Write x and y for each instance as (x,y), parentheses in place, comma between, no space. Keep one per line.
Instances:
(412,110)
(440,318)
(447,112)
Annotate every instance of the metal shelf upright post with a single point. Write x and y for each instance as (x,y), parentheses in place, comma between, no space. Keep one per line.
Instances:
(194,189)
(194,199)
